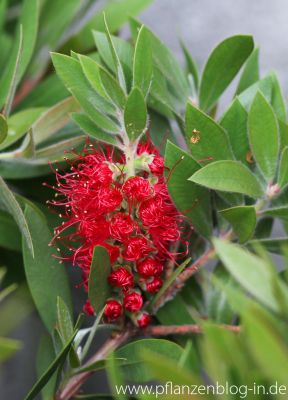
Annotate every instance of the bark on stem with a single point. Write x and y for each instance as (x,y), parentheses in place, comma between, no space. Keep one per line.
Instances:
(74,384)
(182,329)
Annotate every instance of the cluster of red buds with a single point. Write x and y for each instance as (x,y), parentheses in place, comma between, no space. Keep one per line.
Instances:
(133,217)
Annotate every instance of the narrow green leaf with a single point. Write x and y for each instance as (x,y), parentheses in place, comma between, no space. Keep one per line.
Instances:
(243,220)
(98,287)
(190,199)
(112,88)
(250,73)
(46,278)
(279,212)
(168,282)
(92,72)
(53,119)
(117,62)
(265,86)
(250,271)
(56,152)
(3,128)
(88,126)
(45,356)
(234,121)
(11,205)
(275,245)
(115,377)
(278,102)
(228,176)
(283,169)
(50,370)
(190,64)
(8,347)
(135,370)
(19,124)
(135,114)
(222,66)
(8,82)
(64,319)
(211,142)
(166,63)
(264,136)
(70,72)
(143,66)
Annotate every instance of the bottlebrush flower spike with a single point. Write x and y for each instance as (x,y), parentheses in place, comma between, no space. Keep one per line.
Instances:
(133,217)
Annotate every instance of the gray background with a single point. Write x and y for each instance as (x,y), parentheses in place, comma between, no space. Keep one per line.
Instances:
(202,24)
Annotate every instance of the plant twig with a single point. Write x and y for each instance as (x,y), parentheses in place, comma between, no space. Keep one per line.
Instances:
(73,385)
(182,329)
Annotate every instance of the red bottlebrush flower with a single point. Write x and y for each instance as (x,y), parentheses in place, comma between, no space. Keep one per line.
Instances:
(88,309)
(135,248)
(133,301)
(113,310)
(132,217)
(149,267)
(143,320)
(121,225)
(121,277)
(154,285)
(137,188)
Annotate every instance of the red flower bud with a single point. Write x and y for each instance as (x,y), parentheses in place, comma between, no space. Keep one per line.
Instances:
(135,248)
(149,267)
(121,277)
(113,310)
(133,301)
(157,165)
(143,320)
(121,225)
(88,309)
(137,188)
(154,285)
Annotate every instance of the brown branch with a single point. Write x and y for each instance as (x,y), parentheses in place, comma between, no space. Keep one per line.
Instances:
(182,278)
(73,385)
(183,329)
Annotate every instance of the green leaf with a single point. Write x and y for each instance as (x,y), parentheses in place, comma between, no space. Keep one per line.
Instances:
(135,114)
(190,199)
(222,66)
(274,245)
(64,319)
(46,278)
(8,347)
(143,66)
(91,129)
(98,287)
(250,73)
(92,72)
(115,377)
(117,62)
(168,282)
(234,121)
(190,64)
(279,212)
(266,345)
(8,81)
(19,124)
(45,356)
(46,376)
(112,88)
(175,312)
(53,119)
(265,86)
(264,136)
(3,128)
(251,272)
(213,142)
(135,370)
(29,21)
(166,63)
(228,176)
(282,180)
(11,205)
(243,220)
(278,102)
(70,72)
(10,237)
